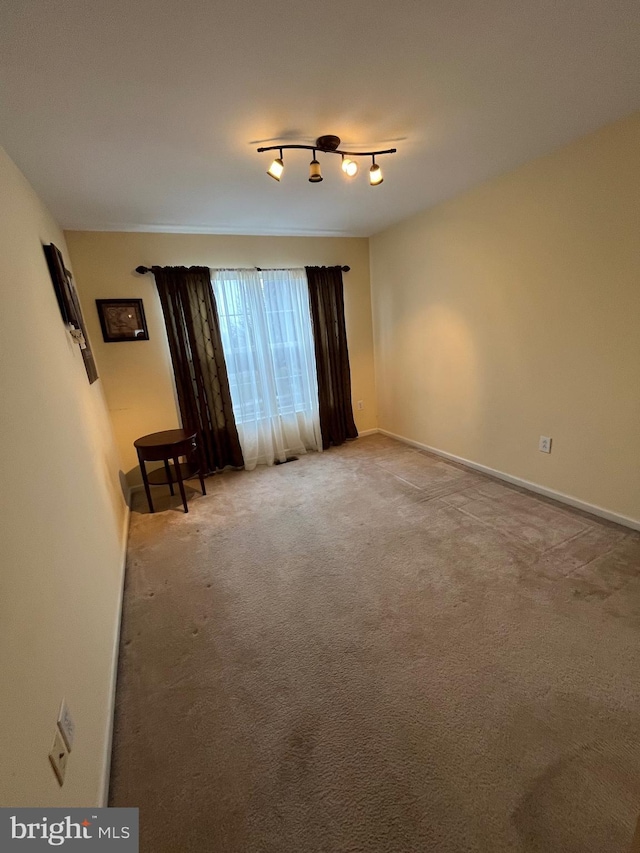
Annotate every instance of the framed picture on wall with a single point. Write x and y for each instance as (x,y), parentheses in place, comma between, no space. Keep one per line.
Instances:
(70,305)
(122,320)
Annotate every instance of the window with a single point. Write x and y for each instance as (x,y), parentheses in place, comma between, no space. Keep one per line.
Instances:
(266,332)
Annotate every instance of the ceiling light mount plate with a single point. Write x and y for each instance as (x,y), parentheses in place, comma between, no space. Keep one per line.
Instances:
(329,142)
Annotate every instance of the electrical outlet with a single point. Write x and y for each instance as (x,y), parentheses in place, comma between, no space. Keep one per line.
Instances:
(544,445)
(360,404)
(66,725)
(58,757)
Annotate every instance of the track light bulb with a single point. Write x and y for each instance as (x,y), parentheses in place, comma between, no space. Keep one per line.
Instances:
(276,169)
(349,167)
(315,175)
(375,175)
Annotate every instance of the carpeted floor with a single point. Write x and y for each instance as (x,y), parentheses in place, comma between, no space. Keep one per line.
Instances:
(372,650)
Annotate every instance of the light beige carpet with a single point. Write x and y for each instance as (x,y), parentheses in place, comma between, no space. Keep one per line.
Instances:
(371,650)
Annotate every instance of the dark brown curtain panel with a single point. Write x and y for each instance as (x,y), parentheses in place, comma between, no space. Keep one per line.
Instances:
(326,297)
(193,330)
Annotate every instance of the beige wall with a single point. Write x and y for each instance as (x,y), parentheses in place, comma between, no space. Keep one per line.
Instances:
(63,519)
(138,378)
(514,311)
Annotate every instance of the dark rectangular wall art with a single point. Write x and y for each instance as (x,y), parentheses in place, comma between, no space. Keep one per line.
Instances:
(122,320)
(70,304)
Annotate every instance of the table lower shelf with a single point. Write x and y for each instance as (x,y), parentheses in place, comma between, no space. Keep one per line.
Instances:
(159,476)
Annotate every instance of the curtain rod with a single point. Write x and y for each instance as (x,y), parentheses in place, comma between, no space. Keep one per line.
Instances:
(275,269)
(142,270)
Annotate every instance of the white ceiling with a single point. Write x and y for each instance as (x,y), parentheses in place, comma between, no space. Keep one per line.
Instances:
(145,114)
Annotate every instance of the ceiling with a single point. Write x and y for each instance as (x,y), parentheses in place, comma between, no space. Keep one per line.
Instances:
(145,114)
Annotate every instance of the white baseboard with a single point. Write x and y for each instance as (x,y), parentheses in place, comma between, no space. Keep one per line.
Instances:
(624,520)
(364,432)
(103,797)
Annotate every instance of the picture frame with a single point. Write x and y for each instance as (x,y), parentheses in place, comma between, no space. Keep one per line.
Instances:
(122,320)
(69,305)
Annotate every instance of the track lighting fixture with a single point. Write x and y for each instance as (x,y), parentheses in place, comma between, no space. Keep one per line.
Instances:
(276,169)
(375,173)
(329,145)
(349,167)
(315,175)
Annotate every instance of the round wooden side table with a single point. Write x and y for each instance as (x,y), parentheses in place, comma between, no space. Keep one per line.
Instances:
(162,447)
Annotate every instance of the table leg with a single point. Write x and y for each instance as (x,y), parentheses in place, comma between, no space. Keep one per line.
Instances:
(180,483)
(167,469)
(143,471)
(204,491)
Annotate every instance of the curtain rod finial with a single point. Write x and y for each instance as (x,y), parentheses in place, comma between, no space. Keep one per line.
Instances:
(142,270)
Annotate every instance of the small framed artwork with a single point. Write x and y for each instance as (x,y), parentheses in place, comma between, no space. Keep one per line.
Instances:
(122,320)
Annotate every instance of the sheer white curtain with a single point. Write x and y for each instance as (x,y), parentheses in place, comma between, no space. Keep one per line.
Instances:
(265,324)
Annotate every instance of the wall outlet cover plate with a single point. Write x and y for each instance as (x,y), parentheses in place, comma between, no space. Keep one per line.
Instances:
(66,725)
